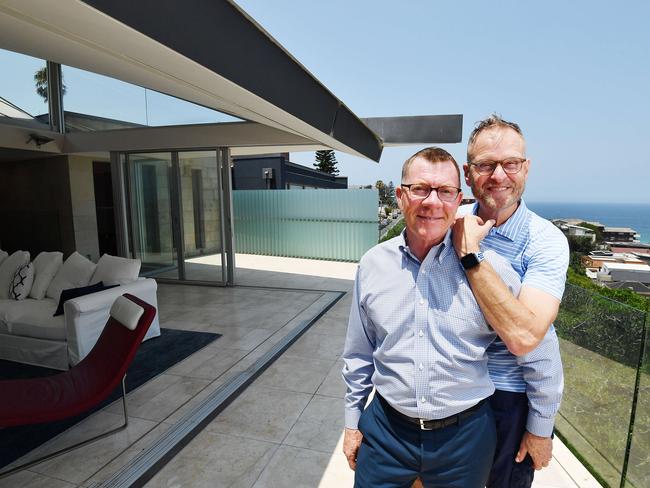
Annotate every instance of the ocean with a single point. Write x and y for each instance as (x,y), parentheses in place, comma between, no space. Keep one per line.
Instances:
(633,215)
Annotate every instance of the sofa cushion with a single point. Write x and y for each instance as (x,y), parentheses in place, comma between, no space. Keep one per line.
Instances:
(21,285)
(46,266)
(79,292)
(33,318)
(114,270)
(3,255)
(8,269)
(75,272)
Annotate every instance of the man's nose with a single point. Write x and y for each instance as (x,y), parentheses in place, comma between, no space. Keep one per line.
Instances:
(432,199)
(498,173)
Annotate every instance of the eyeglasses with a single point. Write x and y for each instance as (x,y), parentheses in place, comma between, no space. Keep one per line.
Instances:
(509,166)
(421,191)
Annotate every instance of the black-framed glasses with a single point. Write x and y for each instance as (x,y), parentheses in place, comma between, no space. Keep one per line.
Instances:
(509,165)
(421,191)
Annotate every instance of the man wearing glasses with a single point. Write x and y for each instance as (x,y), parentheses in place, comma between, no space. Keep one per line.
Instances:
(496,171)
(417,335)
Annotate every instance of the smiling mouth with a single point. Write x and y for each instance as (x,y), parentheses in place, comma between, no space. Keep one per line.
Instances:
(497,189)
(428,218)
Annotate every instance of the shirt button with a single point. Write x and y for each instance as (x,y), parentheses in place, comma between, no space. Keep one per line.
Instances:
(421,301)
(424,271)
(423,400)
(421,366)
(421,333)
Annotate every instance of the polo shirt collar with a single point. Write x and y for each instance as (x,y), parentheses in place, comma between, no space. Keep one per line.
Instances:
(511,227)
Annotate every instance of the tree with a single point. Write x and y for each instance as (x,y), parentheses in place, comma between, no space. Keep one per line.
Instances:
(381,189)
(390,194)
(326,162)
(40,78)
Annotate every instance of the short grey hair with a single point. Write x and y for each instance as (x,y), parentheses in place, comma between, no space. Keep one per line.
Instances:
(494,120)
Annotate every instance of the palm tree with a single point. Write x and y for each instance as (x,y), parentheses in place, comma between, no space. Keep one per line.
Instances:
(40,78)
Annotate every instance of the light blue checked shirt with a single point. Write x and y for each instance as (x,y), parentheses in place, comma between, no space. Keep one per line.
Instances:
(418,336)
(539,253)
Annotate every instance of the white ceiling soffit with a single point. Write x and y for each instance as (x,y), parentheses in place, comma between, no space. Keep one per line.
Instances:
(71,32)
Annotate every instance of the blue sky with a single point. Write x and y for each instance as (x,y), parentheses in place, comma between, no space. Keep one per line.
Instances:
(575,76)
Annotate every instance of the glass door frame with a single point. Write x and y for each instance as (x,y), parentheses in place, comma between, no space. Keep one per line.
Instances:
(121,174)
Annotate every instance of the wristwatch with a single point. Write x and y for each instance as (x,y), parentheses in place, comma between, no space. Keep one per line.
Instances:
(472,259)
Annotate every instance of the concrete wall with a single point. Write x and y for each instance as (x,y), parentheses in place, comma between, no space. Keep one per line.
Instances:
(82,197)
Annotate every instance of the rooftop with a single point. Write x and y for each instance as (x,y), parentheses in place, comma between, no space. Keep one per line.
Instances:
(285,429)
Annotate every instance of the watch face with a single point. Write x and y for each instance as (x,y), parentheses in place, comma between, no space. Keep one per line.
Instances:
(469,261)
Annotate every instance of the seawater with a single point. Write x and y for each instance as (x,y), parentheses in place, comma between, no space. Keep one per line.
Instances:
(633,215)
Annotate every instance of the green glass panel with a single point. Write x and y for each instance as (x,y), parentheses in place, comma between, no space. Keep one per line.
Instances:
(600,342)
(338,225)
(638,468)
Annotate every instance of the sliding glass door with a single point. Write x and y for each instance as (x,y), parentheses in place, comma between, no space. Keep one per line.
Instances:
(202,222)
(176,217)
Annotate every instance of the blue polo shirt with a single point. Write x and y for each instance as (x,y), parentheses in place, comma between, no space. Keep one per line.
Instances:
(539,253)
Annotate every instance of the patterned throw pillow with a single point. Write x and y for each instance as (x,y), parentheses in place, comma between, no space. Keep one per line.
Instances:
(22,282)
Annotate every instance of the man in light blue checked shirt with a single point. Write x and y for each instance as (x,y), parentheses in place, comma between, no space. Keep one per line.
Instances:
(497,170)
(416,334)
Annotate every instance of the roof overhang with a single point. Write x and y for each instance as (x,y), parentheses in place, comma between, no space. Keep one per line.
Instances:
(228,63)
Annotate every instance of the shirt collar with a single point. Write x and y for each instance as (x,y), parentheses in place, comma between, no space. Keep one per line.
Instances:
(511,227)
(439,251)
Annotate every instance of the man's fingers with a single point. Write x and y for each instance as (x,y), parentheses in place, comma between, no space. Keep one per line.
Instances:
(521,453)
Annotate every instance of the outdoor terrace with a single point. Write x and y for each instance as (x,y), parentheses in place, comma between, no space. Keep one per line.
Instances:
(285,428)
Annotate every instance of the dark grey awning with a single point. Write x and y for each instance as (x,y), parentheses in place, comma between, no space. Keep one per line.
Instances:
(207,52)
(421,129)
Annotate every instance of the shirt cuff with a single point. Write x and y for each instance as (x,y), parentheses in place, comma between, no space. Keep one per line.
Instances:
(540,426)
(352,417)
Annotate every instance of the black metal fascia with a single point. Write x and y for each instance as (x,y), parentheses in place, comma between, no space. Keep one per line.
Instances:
(222,38)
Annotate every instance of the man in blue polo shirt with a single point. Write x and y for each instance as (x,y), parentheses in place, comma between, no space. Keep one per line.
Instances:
(417,335)
(496,170)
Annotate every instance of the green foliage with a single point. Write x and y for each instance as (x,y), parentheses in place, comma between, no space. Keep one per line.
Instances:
(326,162)
(627,297)
(395,231)
(599,234)
(580,244)
(386,193)
(390,194)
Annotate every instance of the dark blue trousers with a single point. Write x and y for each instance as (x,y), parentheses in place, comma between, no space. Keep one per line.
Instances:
(394,452)
(510,413)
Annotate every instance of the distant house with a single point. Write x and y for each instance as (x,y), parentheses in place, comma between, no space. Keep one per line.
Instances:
(635,286)
(573,230)
(624,272)
(596,259)
(620,234)
(276,172)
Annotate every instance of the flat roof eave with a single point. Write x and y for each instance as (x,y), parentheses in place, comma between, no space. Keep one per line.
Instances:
(228,63)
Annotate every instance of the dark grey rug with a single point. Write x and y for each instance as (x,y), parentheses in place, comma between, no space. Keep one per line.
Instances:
(153,357)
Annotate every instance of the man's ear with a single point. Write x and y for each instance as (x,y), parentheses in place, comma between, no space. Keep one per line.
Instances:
(398,196)
(466,172)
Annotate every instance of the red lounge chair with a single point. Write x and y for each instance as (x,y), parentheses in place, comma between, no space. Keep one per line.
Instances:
(63,395)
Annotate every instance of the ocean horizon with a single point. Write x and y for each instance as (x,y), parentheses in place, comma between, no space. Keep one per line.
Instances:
(633,215)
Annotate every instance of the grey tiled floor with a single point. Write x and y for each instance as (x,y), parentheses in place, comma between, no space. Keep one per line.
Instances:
(250,321)
(283,431)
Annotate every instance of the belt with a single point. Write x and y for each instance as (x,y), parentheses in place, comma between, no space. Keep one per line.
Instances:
(434,424)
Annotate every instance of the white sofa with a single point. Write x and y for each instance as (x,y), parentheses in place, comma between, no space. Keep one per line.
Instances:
(29,333)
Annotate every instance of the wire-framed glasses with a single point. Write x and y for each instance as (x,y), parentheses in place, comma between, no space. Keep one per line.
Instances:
(421,191)
(509,166)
